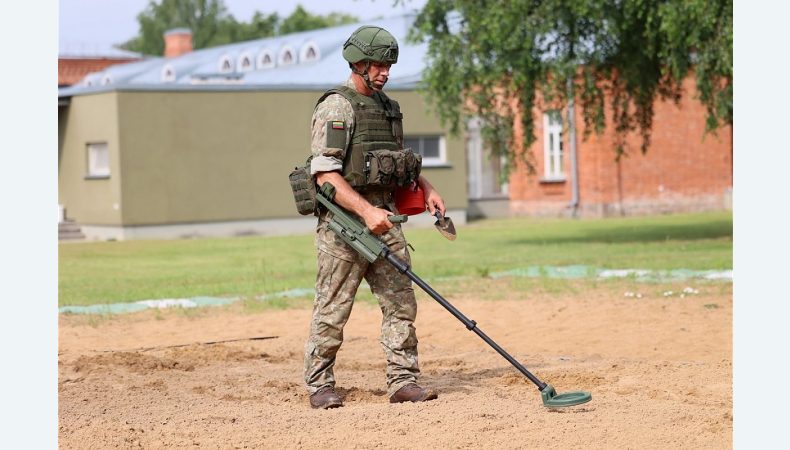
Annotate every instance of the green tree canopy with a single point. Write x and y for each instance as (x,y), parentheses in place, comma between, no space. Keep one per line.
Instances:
(301,20)
(482,52)
(211,24)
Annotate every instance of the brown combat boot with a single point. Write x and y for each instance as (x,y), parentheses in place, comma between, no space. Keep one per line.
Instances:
(325,398)
(413,393)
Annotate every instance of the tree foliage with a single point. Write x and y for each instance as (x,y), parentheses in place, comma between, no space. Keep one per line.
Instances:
(301,20)
(626,52)
(212,25)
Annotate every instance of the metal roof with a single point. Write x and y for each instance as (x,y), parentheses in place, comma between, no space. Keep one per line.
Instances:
(221,67)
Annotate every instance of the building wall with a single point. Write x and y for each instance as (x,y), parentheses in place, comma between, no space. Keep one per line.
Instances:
(449,180)
(89,119)
(207,157)
(684,169)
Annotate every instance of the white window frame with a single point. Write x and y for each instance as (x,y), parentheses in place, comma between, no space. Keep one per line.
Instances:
(250,62)
(553,151)
(431,161)
(168,74)
(303,57)
(281,58)
(222,61)
(483,171)
(97,156)
(272,60)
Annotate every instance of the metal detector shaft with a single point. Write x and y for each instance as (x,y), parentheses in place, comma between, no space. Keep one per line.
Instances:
(471,325)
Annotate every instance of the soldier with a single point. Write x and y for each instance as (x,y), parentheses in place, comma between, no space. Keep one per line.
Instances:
(356,125)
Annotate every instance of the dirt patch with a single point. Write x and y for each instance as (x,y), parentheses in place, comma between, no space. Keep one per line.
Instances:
(659,369)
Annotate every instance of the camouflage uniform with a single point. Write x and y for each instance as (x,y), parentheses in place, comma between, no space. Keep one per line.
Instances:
(341,270)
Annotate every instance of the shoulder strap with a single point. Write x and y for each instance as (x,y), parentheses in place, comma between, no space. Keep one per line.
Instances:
(344,91)
(391,107)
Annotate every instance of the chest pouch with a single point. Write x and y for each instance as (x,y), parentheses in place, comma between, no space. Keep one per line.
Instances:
(387,168)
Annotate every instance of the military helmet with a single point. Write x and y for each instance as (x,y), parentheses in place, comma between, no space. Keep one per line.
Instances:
(369,43)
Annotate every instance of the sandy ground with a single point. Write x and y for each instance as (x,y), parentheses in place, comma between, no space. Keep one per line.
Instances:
(659,369)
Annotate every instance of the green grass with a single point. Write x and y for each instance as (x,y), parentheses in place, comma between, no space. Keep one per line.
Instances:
(108,272)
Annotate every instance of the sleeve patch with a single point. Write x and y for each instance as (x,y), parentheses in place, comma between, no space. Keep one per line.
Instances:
(336,134)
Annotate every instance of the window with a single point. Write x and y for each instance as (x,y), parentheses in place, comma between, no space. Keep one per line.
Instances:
(431,148)
(265,60)
(552,146)
(168,73)
(245,63)
(225,64)
(486,174)
(98,160)
(309,52)
(286,56)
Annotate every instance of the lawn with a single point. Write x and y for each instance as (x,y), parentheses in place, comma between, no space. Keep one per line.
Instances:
(110,272)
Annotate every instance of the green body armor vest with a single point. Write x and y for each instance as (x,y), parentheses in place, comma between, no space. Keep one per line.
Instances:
(375,158)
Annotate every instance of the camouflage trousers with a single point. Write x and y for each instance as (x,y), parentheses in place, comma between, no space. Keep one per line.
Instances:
(340,272)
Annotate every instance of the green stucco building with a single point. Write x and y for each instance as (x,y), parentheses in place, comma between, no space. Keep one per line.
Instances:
(201,144)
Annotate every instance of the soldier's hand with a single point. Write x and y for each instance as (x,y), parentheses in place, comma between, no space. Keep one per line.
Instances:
(376,219)
(434,201)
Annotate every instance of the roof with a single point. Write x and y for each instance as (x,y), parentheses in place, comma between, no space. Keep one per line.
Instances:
(260,64)
(86,51)
(73,70)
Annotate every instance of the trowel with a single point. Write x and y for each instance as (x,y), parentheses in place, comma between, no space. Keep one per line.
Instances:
(444,225)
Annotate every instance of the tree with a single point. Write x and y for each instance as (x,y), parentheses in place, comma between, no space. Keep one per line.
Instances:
(481,53)
(301,20)
(202,17)
(211,24)
(699,35)
(261,26)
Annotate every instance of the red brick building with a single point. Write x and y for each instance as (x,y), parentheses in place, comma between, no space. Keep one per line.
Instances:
(74,65)
(684,169)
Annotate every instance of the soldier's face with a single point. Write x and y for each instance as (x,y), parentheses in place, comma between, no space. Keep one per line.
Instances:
(379,73)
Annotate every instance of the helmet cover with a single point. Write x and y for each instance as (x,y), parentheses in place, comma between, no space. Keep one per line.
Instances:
(371,43)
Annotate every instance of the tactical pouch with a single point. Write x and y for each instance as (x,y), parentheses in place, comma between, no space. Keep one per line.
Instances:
(392,168)
(303,187)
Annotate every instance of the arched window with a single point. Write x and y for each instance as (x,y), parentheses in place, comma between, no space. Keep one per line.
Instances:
(168,73)
(287,56)
(245,62)
(225,64)
(309,52)
(265,59)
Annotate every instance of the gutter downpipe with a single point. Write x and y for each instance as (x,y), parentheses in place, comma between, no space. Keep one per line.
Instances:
(574,204)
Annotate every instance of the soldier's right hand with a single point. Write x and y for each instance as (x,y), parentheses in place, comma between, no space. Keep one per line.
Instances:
(376,219)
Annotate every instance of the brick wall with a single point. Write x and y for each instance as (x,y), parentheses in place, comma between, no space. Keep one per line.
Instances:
(684,169)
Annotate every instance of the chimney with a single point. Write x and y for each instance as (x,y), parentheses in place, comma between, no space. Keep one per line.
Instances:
(177,42)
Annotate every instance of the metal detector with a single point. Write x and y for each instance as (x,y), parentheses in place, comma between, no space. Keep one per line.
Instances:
(372,248)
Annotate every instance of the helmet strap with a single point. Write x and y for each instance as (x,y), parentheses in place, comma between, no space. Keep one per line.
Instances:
(364,75)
